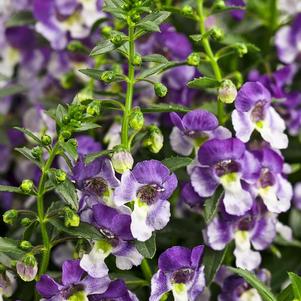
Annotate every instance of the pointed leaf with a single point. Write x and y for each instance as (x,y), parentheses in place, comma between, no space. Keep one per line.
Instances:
(296,285)
(174,163)
(203,83)
(147,248)
(165,107)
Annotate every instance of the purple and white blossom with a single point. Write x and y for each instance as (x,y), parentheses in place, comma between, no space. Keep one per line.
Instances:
(148,186)
(193,129)
(181,272)
(8,284)
(253,111)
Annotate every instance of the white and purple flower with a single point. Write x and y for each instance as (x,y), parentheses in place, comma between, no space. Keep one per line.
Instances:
(227,163)
(148,186)
(193,129)
(180,271)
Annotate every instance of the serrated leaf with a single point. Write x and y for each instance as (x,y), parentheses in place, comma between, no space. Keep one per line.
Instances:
(26,152)
(29,134)
(296,285)
(5,188)
(67,192)
(165,107)
(174,163)
(212,261)
(251,278)
(147,248)
(70,149)
(155,58)
(84,230)
(91,157)
(103,47)
(20,18)
(11,90)
(10,247)
(203,83)
(211,205)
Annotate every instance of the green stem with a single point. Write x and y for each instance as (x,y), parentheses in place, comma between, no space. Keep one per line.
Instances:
(211,56)
(146,270)
(41,213)
(130,88)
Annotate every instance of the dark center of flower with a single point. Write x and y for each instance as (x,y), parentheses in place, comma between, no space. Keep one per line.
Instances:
(70,290)
(266,178)
(258,112)
(149,193)
(96,185)
(182,276)
(225,167)
(110,236)
(246,223)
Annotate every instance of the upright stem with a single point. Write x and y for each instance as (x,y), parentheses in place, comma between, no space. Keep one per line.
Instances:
(211,56)
(41,213)
(130,88)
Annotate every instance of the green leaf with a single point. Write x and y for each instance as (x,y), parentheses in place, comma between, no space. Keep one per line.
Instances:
(147,248)
(84,230)
(196,37)
(26,152)
(10,247)
(130,280)
(287,294)
(70,149)
(20,18)
(251,278)
(96,74)
(165,107)
(296,285)
(103,47)
(212,261)
(86,126)
(91,157)
(149,26)
(11,90)
(155,58)
(157,17)
(29,134)
(287,243)
(155,70)
(203,83)
(5,188)
(67,192)
(211,205)
(60,112)
(174,163)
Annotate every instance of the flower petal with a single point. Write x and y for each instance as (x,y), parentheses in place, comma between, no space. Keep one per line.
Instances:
(180,143)
(243,125)
(159,286)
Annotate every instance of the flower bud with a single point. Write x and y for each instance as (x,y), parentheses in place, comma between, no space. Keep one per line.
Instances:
(106,31)
(154,139)
(122,161)
(219,4)
(136,119)
(117,39)
(37,152)
(10,216)
(217,33)
(137,60)
(73,142)
(27,268)
(66,134)
(71,218)
(67,80)
(160,89)
(46,140)
(25,221)
(93,109)
(194,59)
(135,18)
(227,91)
(187,10)
(76,46)
(25,245)
(107,76)
(241,49)
(26,186)
(85,94)
(60,176)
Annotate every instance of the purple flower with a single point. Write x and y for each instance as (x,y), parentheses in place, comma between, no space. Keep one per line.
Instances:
(256,228)
(225,162)
(297,195)
(118,291)
(275,191)
(181,272)
(193,129)
(191,198)
(238,14)
(287,41)
(118,240)
(8,284)
(149,185)
(254,111)
(75,283)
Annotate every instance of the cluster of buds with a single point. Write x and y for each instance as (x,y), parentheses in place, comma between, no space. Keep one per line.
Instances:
(153,139)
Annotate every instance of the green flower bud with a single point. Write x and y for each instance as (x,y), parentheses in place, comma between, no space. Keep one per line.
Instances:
(26,186)
(106,31)
(60,176)
(187,10)
(27,268)
(37,152)
(108,76)
(85,94)
(219,4)
(137,60)
(227,91)
(67,80)
(25,245)
(76,46)
(160,89)
(74,124)
(117,38)
(66,119)
(73,142)
(217,33)
(135,17)
(46,140)
(71,218)
(93,109)
(25,221)
(154,139)
(10,216)
(241,49)
(122,161)
(136,120)
(66,134)
(194,59)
